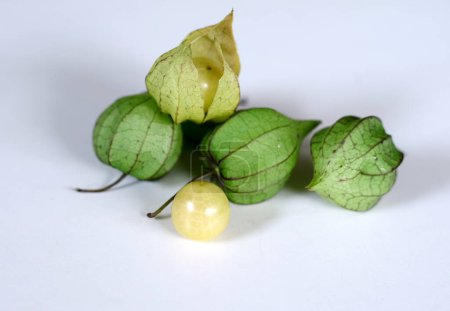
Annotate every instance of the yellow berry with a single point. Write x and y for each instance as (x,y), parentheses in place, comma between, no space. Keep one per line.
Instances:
(208,77)
(200,211)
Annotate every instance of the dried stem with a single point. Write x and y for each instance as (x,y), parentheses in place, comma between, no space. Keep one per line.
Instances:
(159,210)
(104,188)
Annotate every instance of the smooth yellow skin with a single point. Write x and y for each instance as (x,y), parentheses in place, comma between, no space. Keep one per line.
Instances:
(208,78)
(200,211)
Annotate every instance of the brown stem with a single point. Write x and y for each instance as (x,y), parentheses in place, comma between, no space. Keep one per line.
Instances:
(159,210)
(104,188)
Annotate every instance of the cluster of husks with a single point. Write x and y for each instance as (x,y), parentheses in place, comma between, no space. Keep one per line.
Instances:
(252,152)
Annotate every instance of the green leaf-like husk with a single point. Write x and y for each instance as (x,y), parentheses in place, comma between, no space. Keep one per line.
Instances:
(254,152)
(135,137)
(355,162)
(173,78)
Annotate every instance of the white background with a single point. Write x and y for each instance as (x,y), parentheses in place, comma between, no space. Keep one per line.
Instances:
(63,62)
